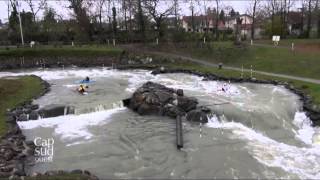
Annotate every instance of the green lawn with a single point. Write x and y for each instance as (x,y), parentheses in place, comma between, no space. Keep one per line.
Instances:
(14,92)
(46,51)
(287,42)
(269,59)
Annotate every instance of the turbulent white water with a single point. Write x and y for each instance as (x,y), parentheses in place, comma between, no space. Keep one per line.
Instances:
(262,127)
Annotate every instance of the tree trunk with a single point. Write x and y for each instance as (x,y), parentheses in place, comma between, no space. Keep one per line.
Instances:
(158,24)
(141,21)
(253,19)
(309,19)
(272,18)
(318,18)
(284,19)
(114,22)
(176,14)
(130,16)
(217,20)
(281,19)
(192,19)
(125,15)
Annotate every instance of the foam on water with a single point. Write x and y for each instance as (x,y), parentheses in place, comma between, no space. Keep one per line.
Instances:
(72,73)
(72,126)
(305,132)
(303,162)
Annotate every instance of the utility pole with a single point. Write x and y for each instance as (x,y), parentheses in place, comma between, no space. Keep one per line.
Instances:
(21,31)
(8,11)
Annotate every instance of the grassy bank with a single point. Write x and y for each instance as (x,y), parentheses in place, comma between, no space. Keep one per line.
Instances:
(14,91)
(303,63)
(85,51)
(309,88)
(288,42)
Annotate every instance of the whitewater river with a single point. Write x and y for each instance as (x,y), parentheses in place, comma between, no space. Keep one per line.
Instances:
(260,133)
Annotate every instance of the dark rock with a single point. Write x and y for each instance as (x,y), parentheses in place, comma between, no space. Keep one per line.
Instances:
(187,103)
(33,115)
(173,111)
(55,110)
(17,112)
(147,109)
(34,107)
(197,115)
(27,110)
(4,174)
(164,97)
(8,155)
(18,172)
(126,102)
(314,116)
(86,172)
(11,119)
(29,143)
(179,92)
(23,117)
(152,98)
(76,171)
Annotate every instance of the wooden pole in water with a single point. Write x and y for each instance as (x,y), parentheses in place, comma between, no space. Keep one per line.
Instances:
(179,132)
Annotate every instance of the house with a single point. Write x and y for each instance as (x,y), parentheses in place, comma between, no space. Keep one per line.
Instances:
(294,23)
(231,22)
(202,23)
(205,23)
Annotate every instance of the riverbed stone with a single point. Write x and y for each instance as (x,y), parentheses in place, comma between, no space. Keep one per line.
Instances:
(197,115)
(17,112)
(76,171)
(34,107)
(55,110)
(34,115)
(27,110)
(23,117)
(156,99)
(187,103)
(11,119)
(180,92)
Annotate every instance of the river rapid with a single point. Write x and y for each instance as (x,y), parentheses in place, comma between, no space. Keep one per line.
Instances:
(257,132)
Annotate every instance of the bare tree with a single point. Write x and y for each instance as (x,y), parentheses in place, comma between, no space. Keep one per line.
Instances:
(176,14)
(238,35)
(141,22)
(217,19)
(100,5)
(255,6)
(152,6)
(114,21)
(309,18)
(192,15)
(124,8)
(81,14)
(274,9)
(130,9)
(317,9)
(35,8)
